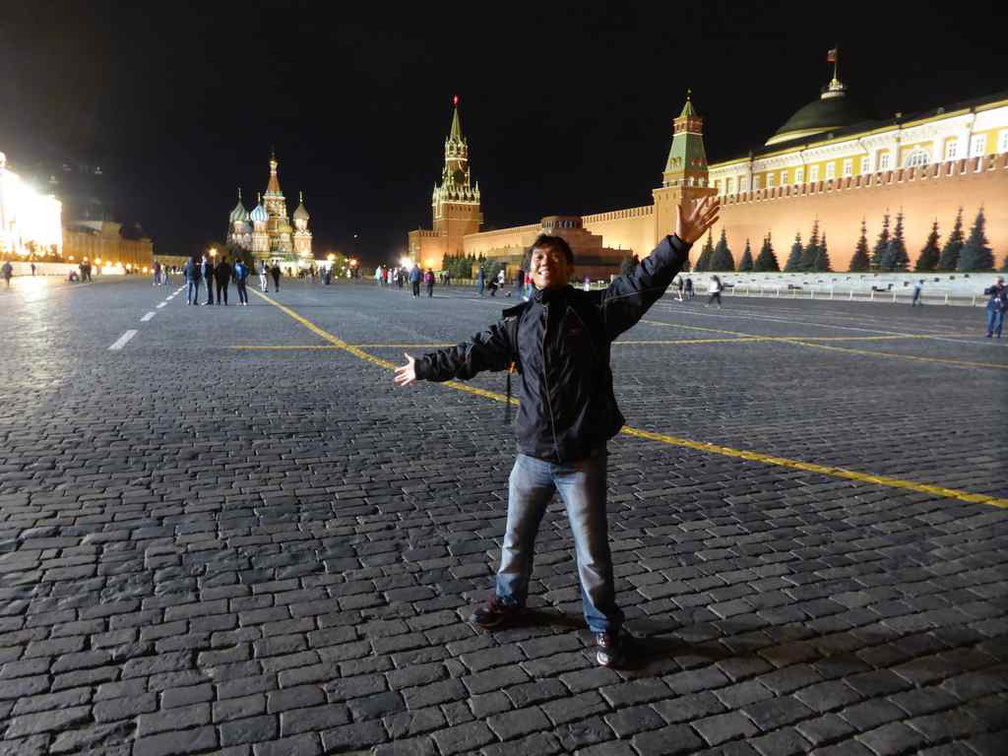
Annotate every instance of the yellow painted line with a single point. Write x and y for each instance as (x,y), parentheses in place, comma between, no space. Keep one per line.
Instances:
(895,356)
(727,451)
(257,346)
(806,341)
(836,472)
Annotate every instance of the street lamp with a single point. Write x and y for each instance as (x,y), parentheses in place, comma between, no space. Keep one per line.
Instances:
(213,252)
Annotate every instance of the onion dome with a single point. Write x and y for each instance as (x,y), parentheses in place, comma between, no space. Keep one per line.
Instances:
(831,111)
(259,213)
(239,214)
(301,213)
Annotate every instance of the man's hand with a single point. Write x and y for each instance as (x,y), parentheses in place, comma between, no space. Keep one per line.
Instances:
(693,224)
(406,374)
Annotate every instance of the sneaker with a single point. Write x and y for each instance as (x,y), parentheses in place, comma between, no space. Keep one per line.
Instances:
(494,613)
(609,651)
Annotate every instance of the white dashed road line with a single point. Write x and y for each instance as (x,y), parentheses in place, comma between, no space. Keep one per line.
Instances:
(147,317)
(122,340)
(161,304)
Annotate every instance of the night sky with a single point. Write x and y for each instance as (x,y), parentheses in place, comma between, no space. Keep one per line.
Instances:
(567,106)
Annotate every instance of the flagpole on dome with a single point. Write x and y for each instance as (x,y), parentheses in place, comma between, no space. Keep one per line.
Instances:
(832,56)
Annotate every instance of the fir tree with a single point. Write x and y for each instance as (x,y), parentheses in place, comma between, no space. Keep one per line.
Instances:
(794,259)
(881,244)
(811,251)
(861,262)
(949,259)
(746,264)
(766,260)
(822,262)
(722,258)
(703,262)
(927,261)
(1004,265)
(976,254)
(895,256)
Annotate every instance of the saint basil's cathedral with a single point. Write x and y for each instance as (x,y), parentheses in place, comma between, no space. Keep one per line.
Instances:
(266,231)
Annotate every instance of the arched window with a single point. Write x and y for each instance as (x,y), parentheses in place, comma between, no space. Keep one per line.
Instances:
(916,159)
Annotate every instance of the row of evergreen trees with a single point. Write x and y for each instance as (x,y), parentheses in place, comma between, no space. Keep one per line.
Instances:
(888,255)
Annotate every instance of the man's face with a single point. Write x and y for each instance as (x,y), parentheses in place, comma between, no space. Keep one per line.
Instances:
(549,268)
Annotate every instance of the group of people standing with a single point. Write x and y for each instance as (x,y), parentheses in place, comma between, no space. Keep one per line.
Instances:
(205,271)
(399,276)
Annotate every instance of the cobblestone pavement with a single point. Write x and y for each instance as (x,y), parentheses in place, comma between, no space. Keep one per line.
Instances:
(272,551)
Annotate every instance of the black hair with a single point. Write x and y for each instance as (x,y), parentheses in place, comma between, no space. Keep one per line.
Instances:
(545,241)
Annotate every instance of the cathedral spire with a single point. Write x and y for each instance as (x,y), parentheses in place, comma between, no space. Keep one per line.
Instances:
(273,187)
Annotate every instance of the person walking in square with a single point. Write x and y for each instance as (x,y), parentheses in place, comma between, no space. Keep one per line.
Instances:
(263,276)
(996,306)
(415,277)
(157,274)
(193,276)
(275,272)
(207,271)
(689,288)
(918,288)
(222,275)
(8,271)
(429,280)
(714,290)
(241,274)
(559,344)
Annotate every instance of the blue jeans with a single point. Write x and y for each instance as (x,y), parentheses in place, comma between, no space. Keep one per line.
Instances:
(582,487)
(192,293)
(995,321)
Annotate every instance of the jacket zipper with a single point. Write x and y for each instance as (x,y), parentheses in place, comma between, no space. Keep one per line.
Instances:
(549,404)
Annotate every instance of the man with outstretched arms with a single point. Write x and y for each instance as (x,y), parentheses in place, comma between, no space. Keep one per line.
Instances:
(559,341)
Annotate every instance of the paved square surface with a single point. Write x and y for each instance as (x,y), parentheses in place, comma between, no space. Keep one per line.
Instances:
(232,534)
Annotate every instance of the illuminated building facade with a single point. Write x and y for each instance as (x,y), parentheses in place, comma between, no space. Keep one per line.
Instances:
(825,164)
(266,231)
(30,222)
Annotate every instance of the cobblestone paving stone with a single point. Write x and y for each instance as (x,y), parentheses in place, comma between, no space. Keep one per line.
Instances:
(258,552)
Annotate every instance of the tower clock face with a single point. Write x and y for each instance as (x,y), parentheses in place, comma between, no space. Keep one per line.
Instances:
(459,177)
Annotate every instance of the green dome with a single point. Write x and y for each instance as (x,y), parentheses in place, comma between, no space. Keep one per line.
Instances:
(830,112)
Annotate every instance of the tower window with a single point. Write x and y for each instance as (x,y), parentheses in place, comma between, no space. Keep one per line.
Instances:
(813,175)
(951,149)
(883,161)
(783,178)
(864,165)
(978,145)
(799,175)
(769,181)
(830,170)
(848,167)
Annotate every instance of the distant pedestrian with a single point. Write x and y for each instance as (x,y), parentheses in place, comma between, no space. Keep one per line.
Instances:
(714,289)
(415,277)
(679,287)
(241,273)
(520,282)
(996,306)
(157,273)
(480,281)
(275,272)
(429,280)
(689,288)
(8,271)
(207,271)
(33,269)
(263,276)
(918,287)
(500,278)
(193,277)
(379,275)
(222,274)
(587,283)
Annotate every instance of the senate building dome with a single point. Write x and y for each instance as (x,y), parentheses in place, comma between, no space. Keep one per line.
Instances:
(831,111)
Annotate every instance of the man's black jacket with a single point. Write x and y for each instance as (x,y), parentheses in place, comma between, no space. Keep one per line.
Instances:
(559,341)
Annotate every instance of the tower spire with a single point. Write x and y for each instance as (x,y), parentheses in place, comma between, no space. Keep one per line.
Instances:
(456,127)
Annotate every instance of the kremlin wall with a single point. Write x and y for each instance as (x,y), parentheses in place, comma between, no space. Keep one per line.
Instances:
(826,163)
